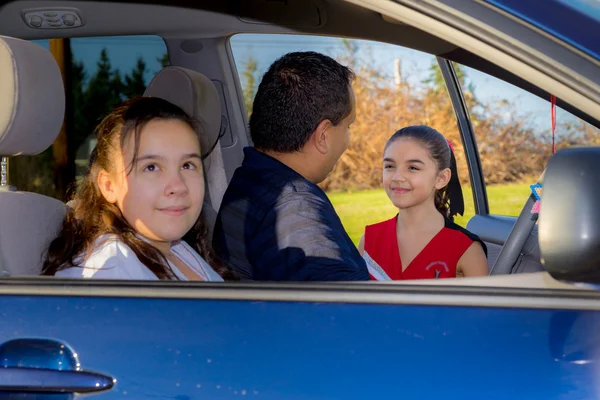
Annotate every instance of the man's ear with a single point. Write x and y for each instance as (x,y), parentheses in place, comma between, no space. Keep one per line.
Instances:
(443,178)
(107,186)
(320,137)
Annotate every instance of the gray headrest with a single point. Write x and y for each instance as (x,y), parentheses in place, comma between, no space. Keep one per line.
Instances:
(32,98)
(195,94)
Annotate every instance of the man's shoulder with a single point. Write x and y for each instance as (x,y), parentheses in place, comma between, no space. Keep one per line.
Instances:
(303,199)
(268,186)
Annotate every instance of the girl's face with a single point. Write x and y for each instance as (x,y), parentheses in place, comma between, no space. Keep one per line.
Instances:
(160,193)
(410,176)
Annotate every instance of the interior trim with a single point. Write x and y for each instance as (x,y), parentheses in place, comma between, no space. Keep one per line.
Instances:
(468,137)
(416,293)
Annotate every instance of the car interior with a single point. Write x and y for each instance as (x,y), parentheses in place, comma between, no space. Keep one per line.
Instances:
(203,80)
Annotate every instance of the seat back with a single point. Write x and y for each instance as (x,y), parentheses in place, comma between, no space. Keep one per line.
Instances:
(32,105)
(198,97)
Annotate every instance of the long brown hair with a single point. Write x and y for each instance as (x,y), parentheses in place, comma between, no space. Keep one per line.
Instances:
(92,216)
(448,200)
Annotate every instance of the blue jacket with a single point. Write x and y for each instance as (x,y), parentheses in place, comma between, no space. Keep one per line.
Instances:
(275,225)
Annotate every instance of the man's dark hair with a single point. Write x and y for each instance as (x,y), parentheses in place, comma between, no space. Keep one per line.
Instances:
(298,92)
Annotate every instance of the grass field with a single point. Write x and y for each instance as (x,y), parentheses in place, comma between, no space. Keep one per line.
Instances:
(358,209)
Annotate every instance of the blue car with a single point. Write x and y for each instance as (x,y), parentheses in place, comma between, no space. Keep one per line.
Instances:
(529,330)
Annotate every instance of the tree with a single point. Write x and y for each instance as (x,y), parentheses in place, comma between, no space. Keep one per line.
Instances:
(135,83)
(103,92)
(117,85)
(350,53)
(92,101)
(164,60)
(436,79)
(249,84)
(436,82)
(510,149)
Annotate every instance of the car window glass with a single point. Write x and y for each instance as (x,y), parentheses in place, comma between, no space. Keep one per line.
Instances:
(101,72)
(395,87)
(514,136)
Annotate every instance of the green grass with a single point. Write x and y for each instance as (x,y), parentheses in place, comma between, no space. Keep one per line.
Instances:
(358,209)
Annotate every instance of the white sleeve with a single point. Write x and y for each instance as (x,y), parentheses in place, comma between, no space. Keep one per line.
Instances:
(213,276)
(111,260)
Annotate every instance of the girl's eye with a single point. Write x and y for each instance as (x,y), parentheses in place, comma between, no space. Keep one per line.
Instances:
(151,168)
(189,165)
(388,166)
(413,168)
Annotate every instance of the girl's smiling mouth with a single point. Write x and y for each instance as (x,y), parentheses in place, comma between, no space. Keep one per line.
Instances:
(174,211)
(400,191)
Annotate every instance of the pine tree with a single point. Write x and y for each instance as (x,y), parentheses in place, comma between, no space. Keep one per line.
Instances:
(117,86)
(92,103)
(164,60)
(135,84)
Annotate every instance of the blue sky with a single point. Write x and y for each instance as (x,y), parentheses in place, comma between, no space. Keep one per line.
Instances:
(124,52)
(415,66)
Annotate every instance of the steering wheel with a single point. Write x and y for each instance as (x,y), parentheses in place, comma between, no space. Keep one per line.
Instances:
(516,239)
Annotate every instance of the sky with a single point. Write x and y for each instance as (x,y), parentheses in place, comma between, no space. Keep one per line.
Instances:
(415,65)
(264,49)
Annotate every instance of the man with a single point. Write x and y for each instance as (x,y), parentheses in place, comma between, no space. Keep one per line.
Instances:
(275,223)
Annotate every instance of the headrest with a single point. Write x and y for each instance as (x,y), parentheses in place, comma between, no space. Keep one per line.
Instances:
(195,94)
(569,221)
(32,98)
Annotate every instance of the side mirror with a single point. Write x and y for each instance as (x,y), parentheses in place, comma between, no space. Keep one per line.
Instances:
(569,220)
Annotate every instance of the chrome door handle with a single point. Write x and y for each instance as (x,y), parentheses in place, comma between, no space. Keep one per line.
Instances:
(53,381)
(46,366)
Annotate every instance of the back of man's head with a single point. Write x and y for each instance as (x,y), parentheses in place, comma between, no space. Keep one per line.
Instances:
(298,92)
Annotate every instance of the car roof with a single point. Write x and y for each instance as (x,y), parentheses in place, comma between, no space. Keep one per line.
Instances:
(221,18)
(573,21)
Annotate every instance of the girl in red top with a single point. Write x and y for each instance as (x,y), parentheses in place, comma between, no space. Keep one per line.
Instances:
(422,241)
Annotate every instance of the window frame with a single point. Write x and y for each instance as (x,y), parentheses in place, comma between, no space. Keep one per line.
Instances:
(467,135)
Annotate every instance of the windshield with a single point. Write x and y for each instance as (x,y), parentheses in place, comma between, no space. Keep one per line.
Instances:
(573,21)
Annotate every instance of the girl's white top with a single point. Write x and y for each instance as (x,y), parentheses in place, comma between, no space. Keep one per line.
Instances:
(113,259)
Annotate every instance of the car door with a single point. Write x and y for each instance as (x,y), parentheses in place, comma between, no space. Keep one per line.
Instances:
(203,341)
(172,340)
